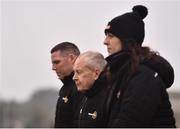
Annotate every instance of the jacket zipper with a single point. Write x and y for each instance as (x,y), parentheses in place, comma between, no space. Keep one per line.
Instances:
(81,110)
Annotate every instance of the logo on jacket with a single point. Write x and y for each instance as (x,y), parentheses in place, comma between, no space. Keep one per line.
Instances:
(65,99)
(93,115)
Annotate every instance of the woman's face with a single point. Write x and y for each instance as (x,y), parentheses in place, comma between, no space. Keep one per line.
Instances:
(113,43)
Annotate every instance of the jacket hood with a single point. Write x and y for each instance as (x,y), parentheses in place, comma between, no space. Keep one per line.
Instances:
(162,67)
(157,63)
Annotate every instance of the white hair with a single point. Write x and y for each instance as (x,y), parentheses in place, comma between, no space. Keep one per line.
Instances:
(94,59)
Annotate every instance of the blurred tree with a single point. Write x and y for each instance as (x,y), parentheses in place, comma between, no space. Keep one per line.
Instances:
(35,113)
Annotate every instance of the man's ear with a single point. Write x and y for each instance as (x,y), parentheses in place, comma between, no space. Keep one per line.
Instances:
(97,73)
(72,58)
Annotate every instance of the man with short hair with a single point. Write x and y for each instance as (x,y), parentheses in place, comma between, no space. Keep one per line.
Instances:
(63,56)
(91,81)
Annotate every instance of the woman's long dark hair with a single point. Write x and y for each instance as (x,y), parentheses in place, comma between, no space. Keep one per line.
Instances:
(137,52)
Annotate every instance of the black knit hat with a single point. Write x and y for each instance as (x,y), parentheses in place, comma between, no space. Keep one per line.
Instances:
(129,25)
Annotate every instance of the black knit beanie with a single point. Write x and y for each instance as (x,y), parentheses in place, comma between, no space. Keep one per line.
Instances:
(129,25)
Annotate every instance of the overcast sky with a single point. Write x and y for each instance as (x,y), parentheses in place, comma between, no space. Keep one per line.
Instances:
(30,28)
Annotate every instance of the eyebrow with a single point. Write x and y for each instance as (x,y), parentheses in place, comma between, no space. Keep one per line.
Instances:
(78,70)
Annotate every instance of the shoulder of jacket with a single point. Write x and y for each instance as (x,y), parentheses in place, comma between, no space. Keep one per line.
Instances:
(144,73)
(145,69)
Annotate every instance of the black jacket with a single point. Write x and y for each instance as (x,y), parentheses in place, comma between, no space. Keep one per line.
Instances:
(67,103)
(142,99)
(91,109)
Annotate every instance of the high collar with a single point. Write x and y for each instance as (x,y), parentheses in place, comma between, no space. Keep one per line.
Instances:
(98,85)
(117,60)
(68,79)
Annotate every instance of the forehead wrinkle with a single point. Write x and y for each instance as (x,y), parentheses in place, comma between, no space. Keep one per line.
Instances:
(81,63)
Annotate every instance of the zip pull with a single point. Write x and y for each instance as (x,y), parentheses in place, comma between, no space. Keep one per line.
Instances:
(93,115)
(80,111)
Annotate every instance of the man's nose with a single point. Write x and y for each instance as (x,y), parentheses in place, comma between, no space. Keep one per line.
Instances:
(75,77)
(53,67)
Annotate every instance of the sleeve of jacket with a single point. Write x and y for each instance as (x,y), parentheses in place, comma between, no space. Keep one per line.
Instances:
(140,100)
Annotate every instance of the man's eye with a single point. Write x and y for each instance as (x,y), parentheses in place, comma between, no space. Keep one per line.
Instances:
(56,62)
(78,72)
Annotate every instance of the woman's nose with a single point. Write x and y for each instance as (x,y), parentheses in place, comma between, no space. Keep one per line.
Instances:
(106,41)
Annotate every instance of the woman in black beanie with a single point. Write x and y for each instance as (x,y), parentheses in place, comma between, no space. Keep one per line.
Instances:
(138,77)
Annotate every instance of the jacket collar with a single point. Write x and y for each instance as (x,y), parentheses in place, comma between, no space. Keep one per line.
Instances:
(68,79)
(117,60)
(99,84)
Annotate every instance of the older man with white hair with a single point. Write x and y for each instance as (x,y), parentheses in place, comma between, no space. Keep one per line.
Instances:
(90,79)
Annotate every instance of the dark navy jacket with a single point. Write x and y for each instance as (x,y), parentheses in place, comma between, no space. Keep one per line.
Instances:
(67,103)
(91,110)
(142,99)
